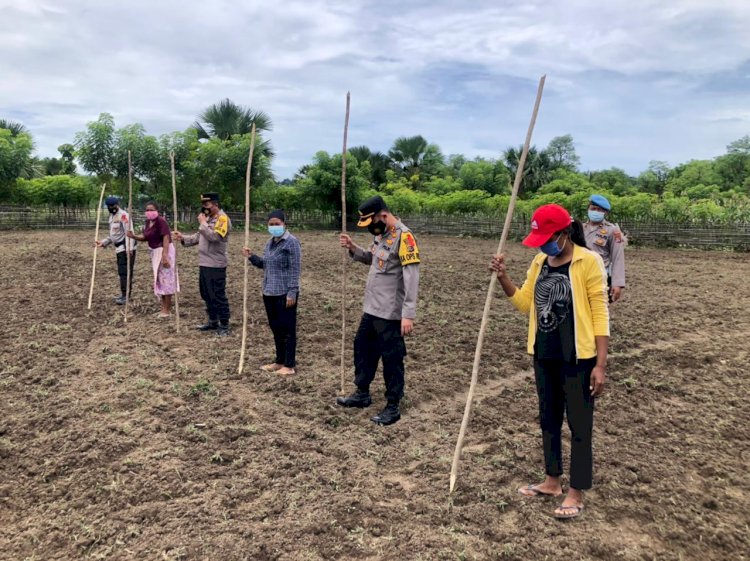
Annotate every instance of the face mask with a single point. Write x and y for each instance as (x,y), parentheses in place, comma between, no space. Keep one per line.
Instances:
(596,216)
(376,228)
(206,211)
(276,231)
(152,214)
(112,209)
(552,249)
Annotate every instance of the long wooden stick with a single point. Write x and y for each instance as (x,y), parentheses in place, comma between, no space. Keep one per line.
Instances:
(176,270)
(345,252)
(247,244)
(127,240)
(491,291)
(96,238)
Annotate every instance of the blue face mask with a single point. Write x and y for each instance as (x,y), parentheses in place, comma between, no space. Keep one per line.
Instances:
(551,248)
(596,216)
(276,231)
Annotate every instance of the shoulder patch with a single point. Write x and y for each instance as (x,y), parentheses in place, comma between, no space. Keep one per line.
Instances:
(408,252)
(222,225)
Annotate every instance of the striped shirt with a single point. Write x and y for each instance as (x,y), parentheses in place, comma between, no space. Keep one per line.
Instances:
(282,265)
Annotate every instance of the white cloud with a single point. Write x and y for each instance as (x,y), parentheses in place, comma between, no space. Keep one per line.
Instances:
(627,79)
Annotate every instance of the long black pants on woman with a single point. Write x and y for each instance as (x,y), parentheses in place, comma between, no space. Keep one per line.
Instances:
(563,389)
(283,323)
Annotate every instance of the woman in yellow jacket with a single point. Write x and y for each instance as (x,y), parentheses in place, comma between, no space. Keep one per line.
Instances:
(565,295)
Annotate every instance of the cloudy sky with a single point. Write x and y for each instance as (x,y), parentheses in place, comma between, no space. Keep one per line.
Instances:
(631,80)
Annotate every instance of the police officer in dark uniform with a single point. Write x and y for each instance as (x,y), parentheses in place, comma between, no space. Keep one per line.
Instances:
(389,307)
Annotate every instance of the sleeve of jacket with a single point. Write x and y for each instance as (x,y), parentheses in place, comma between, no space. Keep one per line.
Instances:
(108,240)
(190,240)
(596,288)
(617,258)
(295,267)
(411,291)
(362,255)
(524,296)
(257,261)
(209,233)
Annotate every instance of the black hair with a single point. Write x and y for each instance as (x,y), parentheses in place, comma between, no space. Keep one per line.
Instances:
(153,204)
(575,233)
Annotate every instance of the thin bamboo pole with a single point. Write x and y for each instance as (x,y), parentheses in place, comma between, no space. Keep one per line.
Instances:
(96,238)
(247,243)
(345,252)
(127,240)
(491,291)
(176,269)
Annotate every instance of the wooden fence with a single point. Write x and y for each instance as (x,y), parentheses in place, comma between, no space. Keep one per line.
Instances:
(663,234)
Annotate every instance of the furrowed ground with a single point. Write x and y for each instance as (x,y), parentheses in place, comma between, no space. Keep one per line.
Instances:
(131,441)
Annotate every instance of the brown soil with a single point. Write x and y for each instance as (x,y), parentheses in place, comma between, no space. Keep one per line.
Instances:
(131,441)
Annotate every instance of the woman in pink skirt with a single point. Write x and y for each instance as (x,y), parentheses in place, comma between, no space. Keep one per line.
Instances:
(159,238)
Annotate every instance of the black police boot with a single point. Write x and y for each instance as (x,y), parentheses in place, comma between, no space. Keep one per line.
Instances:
(120,300)
(359,399)
(222,330)
(389,415)
(210,325)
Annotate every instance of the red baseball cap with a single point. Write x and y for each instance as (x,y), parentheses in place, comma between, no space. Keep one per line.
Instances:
(545,221)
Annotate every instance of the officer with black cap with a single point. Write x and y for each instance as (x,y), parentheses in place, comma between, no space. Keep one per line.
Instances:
(606,239)
(211,240)
(119,224)
(389,308)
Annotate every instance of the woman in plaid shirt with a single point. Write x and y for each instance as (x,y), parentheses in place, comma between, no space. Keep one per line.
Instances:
(281,264)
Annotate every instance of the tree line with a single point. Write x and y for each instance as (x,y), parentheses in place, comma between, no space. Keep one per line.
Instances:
(413,176)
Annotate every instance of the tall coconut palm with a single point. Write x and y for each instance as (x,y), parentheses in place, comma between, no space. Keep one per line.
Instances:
(536,169)
(408,152)
(226,118)
(378,163)
(14,127)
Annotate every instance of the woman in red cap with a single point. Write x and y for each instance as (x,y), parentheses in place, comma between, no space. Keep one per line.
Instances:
(565,295)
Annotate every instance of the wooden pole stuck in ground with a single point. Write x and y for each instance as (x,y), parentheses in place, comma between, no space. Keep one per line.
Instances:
(127,240)
(491,291)
(247,244)
(96,239)
(345,253)
(176,269)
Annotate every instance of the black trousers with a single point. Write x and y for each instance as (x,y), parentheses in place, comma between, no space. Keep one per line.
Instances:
(283,323)
(563,389)
(213,286)
(380,338)
(122,271)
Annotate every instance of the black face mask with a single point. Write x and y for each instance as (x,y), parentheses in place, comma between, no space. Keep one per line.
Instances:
(376,228)
(206,211)
(112,209)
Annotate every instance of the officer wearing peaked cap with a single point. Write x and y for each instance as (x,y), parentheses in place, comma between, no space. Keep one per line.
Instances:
(606,239)
(211,240)
(389,306)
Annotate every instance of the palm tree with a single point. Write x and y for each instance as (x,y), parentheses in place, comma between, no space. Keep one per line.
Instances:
(408,153)
(14,127)
(536,169)
(226,118)
(378,163)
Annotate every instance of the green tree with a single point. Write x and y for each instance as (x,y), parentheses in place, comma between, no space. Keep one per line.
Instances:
(15,159)
(321,183)
(378,163)
(536,170)
(413,155)
(562,153)
(95,147)
(226,119)
(613,180)
(654,179)
(485,175)
(695,172)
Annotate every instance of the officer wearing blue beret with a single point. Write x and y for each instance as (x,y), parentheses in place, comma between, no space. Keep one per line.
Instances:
(606,239)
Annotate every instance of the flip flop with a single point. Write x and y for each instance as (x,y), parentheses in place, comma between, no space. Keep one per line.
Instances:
(560,515)
(269,367)
(533,491)
(286,374)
